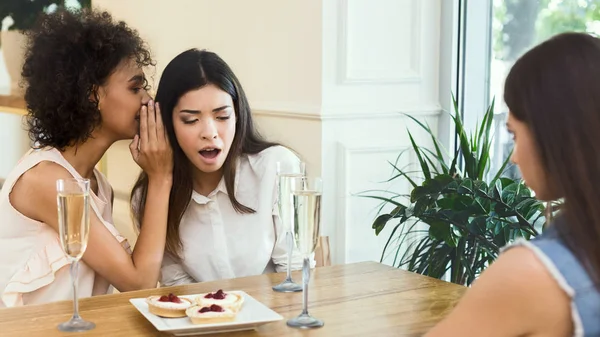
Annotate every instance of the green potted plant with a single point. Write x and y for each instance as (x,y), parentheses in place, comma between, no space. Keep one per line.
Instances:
(24,14)
(455,220)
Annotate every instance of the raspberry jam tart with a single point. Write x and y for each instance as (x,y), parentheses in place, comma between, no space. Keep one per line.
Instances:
(170,306)
(213,313)
(230,301)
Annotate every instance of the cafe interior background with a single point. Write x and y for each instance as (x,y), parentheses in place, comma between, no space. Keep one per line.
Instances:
(338,81)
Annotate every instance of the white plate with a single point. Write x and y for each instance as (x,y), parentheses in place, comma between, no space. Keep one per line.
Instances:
(252,315)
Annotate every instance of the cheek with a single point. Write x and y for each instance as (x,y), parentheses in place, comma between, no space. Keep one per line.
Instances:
(522,158)
(529,163)
(228,132)
(185,137)
(120,107)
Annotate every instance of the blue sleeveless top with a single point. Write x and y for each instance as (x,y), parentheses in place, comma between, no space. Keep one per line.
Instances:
(571,277)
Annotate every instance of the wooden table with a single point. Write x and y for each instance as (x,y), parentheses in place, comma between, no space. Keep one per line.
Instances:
(361,299)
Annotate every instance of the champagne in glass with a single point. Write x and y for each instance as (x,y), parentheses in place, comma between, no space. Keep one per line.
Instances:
(74,227)
(286,214)
(306,194)
(306,228)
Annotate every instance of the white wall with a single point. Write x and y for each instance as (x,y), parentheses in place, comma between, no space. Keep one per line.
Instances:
(380,60)
(14,141)
(330,78)
(273,46)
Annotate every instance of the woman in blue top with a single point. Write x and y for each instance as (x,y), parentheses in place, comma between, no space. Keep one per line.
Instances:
(549,286)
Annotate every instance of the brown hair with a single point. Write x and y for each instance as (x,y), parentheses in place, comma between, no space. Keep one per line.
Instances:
(555,89)
(188,71)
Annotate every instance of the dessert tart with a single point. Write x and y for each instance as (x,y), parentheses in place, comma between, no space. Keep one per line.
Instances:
(210,314)
(225,300)
(170,306)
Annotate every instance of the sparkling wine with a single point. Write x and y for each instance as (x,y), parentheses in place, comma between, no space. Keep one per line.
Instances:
(286,206)
(74,223)
(307,220)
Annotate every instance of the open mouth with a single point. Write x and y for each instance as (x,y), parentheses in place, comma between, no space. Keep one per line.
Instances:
(209,153)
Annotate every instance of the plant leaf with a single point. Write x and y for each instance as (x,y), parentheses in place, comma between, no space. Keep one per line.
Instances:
(422,162)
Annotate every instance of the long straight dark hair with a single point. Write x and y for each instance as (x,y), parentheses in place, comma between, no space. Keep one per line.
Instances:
(191,70)
(555,89)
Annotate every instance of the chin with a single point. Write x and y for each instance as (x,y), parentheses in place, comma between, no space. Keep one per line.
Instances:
(203,167)
(128,133)
(542,193)
(545,196)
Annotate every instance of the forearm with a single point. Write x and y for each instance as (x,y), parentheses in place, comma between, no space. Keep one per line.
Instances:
(149,249)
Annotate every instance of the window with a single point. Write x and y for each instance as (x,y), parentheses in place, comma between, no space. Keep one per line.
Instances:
(495,34)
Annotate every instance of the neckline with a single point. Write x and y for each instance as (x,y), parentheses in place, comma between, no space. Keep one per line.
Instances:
(76,174)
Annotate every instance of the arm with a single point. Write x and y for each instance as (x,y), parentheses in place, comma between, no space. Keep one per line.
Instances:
(173,274)
(515,296)
(35,197)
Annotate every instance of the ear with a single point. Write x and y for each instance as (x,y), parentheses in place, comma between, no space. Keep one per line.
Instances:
(96,94)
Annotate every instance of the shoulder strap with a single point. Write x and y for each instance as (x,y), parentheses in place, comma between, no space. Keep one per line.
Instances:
(30,159)
(559,259)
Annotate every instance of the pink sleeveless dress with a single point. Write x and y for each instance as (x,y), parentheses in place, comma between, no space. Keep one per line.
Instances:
(33,266)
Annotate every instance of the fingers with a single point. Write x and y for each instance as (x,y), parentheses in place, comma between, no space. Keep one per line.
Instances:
(160,128)
(134,147)
(152,131)
(143,128)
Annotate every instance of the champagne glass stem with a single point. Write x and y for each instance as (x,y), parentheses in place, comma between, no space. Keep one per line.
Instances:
(290,249)
(305,280)
(74,274)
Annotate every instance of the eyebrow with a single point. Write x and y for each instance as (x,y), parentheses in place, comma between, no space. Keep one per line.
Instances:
(196,112)
(137,78)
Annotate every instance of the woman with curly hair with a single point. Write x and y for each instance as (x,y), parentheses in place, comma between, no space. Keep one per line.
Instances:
(85,91)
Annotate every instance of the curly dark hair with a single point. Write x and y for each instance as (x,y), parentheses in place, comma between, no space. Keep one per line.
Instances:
(69,55)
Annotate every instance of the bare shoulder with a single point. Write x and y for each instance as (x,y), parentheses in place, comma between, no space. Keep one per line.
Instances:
(35,191)
(519,288)
(529,282)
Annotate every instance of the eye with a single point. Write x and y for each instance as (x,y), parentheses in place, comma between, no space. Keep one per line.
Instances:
(190,121)
(223,118)
(144,85)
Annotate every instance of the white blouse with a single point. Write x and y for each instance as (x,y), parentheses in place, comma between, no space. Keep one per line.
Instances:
(220,243)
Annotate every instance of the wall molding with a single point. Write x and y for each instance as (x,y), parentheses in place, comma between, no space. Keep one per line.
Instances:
(425,111)
(412,74)
(288,106)
(287,114)
(342,203)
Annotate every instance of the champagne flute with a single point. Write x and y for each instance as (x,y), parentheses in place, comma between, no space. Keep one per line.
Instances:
(74,228)
(286,215)
(307,222)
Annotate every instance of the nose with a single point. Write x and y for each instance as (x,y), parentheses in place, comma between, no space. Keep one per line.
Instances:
(209,130)
(146,98)
(513,156)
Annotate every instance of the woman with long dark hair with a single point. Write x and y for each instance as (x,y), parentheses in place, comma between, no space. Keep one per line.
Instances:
(223,220)
(549,286)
